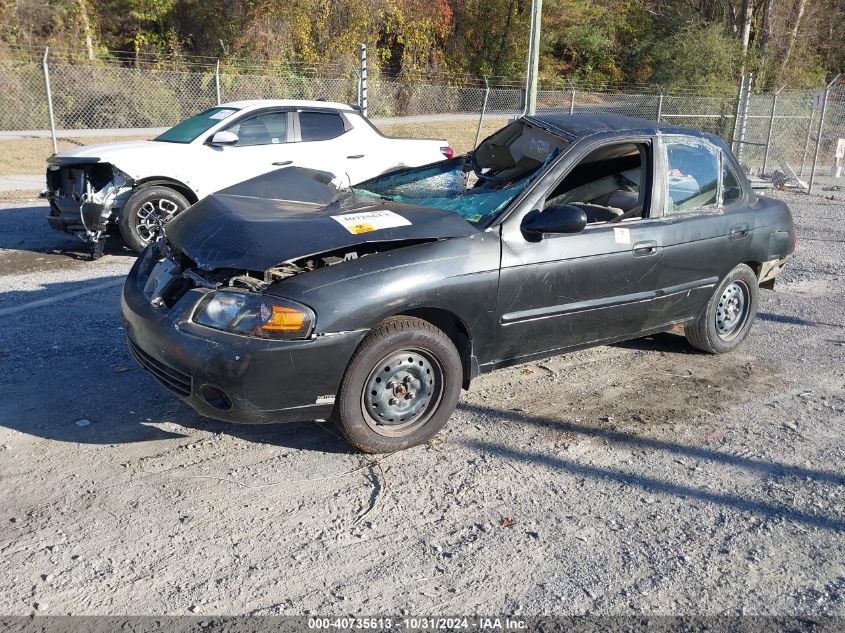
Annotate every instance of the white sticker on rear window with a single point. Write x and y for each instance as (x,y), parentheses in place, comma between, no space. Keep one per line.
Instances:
(368,221)
(622,236)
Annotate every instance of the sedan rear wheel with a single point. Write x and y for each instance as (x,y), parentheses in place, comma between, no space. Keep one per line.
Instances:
(728,315)
(400,387)
(146,211)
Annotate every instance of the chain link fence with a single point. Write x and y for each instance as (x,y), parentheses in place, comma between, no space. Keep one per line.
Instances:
(787,131)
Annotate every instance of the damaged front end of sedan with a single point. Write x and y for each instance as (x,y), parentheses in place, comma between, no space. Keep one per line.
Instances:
(85,196)
(248,306)
(233,275)
(235,239)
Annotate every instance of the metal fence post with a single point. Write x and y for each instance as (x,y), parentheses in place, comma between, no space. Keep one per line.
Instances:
(806,144)
(821,130)
(741,145)
(659,104)
(49,99)
(362,81)
(483,110)
(739,94)
(217,80)
(771,129)
(571,97)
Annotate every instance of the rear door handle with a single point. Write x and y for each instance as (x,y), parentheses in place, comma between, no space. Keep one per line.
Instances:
(356,156)
(739,231)
(642,249)
(282,163)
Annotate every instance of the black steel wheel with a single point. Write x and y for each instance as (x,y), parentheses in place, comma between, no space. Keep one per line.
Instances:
(728,315)
(400,387)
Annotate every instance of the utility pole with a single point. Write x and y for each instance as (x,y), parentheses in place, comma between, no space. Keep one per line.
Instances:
(533,57)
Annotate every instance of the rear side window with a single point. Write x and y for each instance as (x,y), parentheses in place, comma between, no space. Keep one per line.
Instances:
(320,126)
(692,177)
(731,189)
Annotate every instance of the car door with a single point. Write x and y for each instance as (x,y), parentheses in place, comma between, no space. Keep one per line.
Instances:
(323,141)
(568,291)
(263,145)
(706,223)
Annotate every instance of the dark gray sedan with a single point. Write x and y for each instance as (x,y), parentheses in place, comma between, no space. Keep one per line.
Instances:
(283,298)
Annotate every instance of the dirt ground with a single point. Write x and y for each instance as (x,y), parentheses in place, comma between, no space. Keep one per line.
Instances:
(637,478)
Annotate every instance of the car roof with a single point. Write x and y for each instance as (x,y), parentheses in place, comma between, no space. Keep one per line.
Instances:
(579,125)
(286,103)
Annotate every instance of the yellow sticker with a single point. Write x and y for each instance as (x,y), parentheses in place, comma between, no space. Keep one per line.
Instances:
(357,229)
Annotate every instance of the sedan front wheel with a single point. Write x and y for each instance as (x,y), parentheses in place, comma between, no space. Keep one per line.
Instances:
(400,387)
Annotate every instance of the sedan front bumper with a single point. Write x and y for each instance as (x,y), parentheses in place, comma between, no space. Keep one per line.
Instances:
(231,377)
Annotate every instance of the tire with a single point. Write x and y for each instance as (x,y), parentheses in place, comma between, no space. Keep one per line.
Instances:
(728,315)
(137,215)
(403,352)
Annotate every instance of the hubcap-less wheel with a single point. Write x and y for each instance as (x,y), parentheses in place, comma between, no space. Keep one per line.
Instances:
(401,392)
(732,310)
(152,215)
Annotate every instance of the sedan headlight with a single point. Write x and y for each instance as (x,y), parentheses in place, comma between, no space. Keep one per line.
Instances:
(255,315)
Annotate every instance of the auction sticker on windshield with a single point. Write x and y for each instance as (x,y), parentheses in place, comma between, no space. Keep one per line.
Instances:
(368,221)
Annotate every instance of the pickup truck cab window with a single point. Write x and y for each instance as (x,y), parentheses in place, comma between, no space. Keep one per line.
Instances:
(320,126)
(267,128)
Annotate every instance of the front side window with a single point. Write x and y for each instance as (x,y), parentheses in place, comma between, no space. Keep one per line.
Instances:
(190,129)
(268,128)
(692,176)
(609,184)
(320,126)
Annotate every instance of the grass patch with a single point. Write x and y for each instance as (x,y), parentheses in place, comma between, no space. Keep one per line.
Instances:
(459,134)
(20,157)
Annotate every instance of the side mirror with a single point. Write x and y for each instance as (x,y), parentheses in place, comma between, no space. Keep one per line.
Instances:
(224,138)
(558,218)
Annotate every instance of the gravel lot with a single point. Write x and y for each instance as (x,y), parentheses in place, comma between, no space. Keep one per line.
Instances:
(636,478)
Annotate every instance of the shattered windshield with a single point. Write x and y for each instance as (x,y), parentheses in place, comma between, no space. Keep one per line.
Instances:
(190,129)
(480,185)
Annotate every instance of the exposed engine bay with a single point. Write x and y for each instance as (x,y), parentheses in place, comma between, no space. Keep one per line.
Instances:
(85,196)
(183,274)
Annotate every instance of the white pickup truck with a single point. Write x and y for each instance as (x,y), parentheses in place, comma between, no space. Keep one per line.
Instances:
(137,185)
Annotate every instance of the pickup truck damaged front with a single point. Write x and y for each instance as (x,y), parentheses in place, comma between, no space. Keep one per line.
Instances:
(83,198)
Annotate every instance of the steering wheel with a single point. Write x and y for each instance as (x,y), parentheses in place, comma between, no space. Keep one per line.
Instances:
(485,177)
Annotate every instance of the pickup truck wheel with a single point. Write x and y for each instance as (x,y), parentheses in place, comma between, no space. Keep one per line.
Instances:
(400,387)
(729,313)
(145,209)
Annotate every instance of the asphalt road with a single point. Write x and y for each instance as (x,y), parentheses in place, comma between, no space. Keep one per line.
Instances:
(637,478)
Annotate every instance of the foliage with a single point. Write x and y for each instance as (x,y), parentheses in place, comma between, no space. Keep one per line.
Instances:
(700,55)
(676,42)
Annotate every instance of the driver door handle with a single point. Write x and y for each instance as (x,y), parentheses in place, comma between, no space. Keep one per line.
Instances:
(282,163)
(739,231)
(356,156)
(643,249)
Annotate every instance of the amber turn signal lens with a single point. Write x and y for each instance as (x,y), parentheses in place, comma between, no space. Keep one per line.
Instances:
(284,319)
